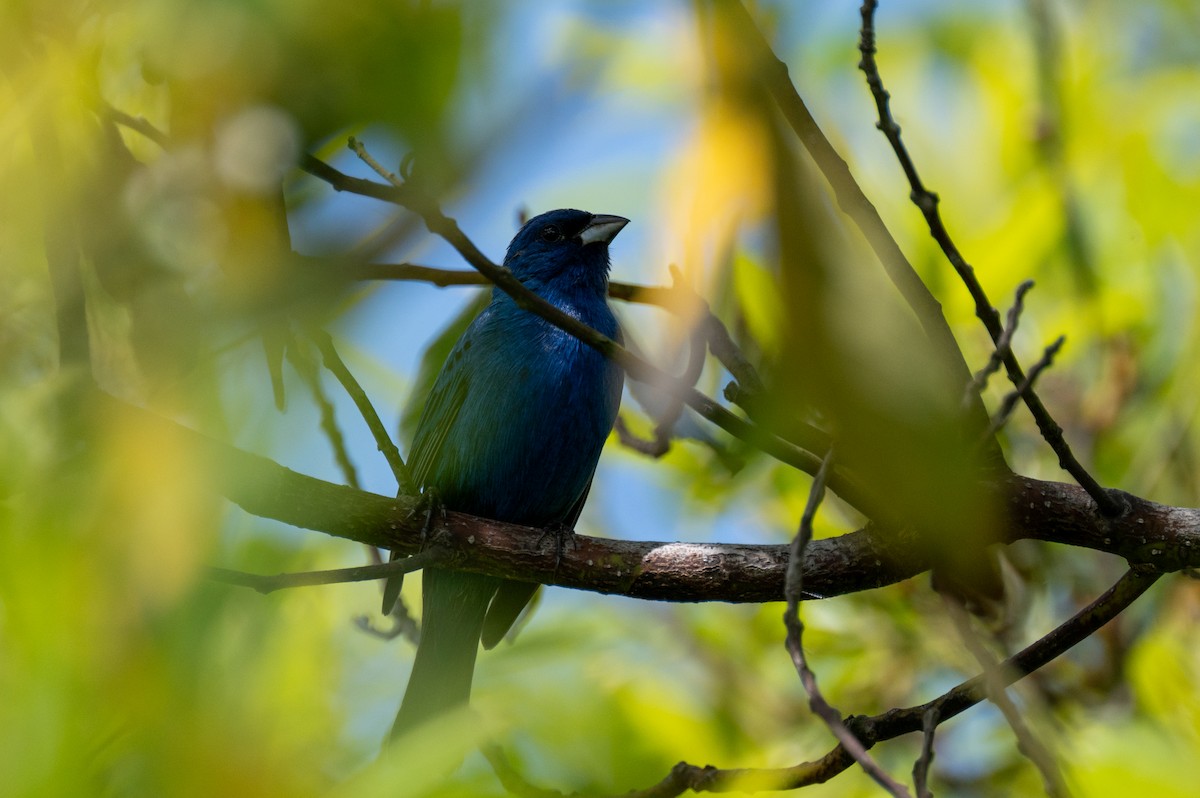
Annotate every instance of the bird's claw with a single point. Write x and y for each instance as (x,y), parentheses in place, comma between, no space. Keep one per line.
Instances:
(561,534)
(430,505)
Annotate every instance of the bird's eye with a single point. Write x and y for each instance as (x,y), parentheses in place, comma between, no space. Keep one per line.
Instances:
(551,233)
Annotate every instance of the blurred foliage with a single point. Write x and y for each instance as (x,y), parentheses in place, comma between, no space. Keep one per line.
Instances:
(1061,136)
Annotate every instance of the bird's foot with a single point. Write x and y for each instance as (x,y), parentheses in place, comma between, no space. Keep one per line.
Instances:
(562,535)
(431,507)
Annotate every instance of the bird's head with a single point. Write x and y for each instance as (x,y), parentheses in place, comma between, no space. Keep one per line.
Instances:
(564,247)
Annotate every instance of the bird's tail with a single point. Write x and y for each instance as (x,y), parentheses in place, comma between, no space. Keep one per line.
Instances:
(454,607)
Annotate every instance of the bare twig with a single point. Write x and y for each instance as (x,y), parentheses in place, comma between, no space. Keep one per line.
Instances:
(413,272)
(637,368)
(268,583)
(927,202)
(308,372)
(665,297)
(1001,347)
(793,590)
(138,124)
(357,147)
(896,722)
(929,723)
(651,447)
(1027,742)
(721,344)
(669,415)
(854,203)
(673,298)
(383,441)
(1009,403)
(402,625)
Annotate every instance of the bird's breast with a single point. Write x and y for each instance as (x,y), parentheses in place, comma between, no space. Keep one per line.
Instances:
(527,439)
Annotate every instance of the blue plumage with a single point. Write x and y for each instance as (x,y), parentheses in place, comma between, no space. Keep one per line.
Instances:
(512,430)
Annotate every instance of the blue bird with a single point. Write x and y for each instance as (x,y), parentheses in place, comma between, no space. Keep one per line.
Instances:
(512,430)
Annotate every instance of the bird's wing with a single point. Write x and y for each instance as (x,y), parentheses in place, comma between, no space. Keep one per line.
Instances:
(568,522)
(438,417)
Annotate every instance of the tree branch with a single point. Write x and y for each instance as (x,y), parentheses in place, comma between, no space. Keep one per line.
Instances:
(1165,538)
(896,722)
(855,204)
(996,690)
(927,202)
(929,722)
(1025,387)
(333,362)
(996,359)
(308,372)
(269,583)
(793,590)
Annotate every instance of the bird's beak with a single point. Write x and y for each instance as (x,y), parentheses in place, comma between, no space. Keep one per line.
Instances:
(603,228)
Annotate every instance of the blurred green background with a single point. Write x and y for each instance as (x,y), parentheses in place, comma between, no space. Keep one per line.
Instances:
(1063,137)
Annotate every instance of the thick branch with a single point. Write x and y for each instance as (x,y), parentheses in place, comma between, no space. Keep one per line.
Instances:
(1167,538)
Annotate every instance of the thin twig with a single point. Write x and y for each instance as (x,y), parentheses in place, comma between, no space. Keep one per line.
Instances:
(383,441)
(697,353)
(675,298)
(925,717)
(927,202)
(308,372)
(413,272)
(403,625)
(731,356)
(138,124)
(894,722)
(929,724)
(637,368)
(793,590)
(682,298)
(665,297)
(667,414)
(1009,403)
(1027,742)
(357,147)
(1001,347)
(651,447)
(268,583)
(858,208)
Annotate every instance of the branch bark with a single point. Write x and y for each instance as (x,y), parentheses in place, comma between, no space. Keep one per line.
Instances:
(1167,538)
